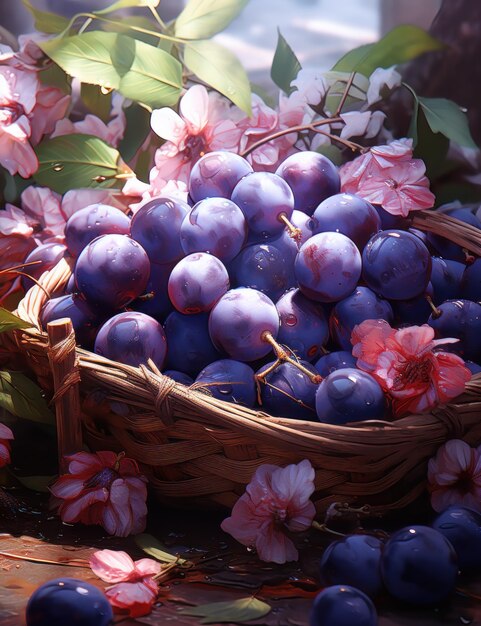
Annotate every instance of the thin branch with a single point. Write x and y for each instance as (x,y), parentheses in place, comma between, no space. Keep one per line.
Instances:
(345,142)
(345,94)
(288,131)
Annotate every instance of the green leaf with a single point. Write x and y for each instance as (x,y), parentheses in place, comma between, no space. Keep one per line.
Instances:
(203,18)
(96,101)
(401,44)
(126,4)
(285,65)
(333,153)
(445,116)
(23,398)
(76,161)
(45,21)
(220,69)
(241,610)
(136,130)
(54,76)
(86,57)
(115,61)
(154,77)
(9,321)
(431,147)
(35,483)
(151,546)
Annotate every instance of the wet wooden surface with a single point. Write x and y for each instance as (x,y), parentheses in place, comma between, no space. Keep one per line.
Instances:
(224,570)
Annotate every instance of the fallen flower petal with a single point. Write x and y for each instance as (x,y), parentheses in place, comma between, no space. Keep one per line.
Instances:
(277,499)
(102,488)
(135,598)
(112,566)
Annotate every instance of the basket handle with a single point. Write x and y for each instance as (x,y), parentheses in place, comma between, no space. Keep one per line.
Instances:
(66,376)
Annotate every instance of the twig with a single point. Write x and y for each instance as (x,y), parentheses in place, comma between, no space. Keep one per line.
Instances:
(345,94)
(288,131)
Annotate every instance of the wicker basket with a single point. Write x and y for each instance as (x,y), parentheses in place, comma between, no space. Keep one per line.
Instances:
(198,450)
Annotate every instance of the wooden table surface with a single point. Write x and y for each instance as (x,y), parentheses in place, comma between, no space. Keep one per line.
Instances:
(224,569)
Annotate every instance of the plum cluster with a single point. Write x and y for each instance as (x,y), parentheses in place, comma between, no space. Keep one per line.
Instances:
(417,565)
(256,265)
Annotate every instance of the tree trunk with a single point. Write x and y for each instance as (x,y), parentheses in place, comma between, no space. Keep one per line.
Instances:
(454,72)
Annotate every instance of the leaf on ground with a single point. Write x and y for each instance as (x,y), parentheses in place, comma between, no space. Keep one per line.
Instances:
(241,610)
(152,546)
(36,483)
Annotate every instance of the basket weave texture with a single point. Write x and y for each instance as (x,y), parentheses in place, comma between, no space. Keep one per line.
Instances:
(197,450)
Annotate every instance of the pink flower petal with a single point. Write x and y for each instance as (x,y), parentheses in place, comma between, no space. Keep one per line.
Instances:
(84,463)
(112,566)
(72,510)
(243,524)
(194,108)
(168,124)
(137,598)
(275,547)
(119,510)
(295,483)
(147,567)
(412,341)
(67,487)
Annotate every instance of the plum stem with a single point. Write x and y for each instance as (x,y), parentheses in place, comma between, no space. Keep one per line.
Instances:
(325,529)
(294,232)
(282,356)
(436,312)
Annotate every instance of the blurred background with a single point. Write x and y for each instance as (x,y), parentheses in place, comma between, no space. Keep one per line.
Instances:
(319,31)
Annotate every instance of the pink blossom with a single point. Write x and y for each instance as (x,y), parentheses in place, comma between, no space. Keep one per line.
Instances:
(13,250)
(134,588)
(265,121)
(6,436)
(382,80)
(142,192)
(51,106)
(29,54)
(311,85)
(454,476)
(44,213)
(404,362)
(202,126)
(276,500)
(111,133)
(28,110)
(102,488)
(17,101)
(361,124)
(389,176)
